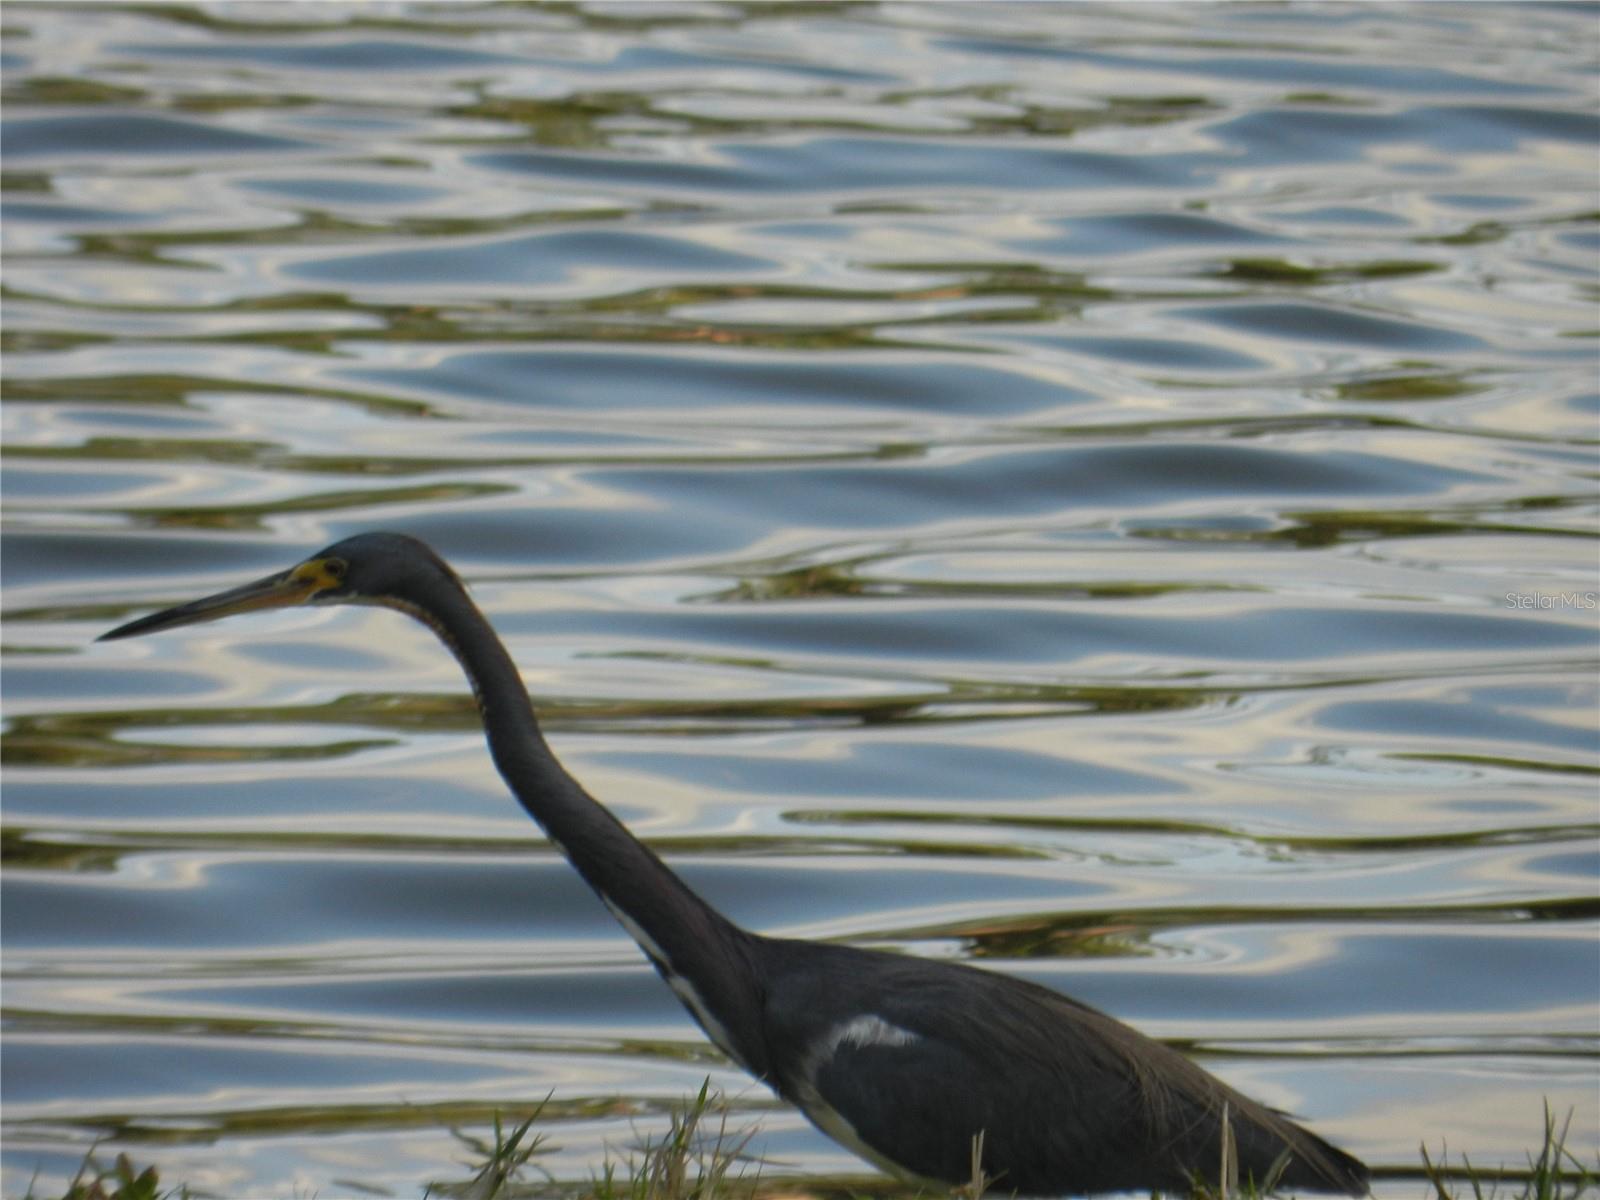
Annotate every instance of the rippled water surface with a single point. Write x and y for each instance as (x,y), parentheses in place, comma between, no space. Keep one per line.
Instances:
(1106,492)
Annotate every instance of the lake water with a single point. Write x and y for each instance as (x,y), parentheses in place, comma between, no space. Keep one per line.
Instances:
(1103,492)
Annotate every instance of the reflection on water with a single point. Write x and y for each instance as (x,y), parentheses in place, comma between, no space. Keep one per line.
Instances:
(1105,491)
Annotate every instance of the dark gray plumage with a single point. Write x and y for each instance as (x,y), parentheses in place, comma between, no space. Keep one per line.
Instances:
(903,1060)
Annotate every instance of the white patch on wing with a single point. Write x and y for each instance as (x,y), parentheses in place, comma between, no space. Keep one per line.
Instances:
(872,1030)
(869,1029)
(680,986)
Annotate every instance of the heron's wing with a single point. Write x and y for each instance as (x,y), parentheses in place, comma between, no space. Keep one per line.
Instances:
(906,1062)
(918,1103)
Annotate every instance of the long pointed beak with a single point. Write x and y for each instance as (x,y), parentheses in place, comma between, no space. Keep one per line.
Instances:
(282,590)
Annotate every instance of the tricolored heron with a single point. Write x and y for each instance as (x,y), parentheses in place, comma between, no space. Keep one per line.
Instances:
(902,1060)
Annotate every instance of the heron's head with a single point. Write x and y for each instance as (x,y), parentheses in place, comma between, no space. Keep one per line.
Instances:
(369,568)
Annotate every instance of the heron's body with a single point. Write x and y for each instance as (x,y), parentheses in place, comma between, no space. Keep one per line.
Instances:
(900,1059)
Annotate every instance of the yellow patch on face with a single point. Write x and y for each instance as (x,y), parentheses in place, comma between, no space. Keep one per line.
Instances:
(318,574)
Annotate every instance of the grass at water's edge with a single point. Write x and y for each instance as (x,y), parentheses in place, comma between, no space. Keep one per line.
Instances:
(700,1158)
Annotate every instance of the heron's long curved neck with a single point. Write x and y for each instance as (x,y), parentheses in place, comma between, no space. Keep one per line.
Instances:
(683,935)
